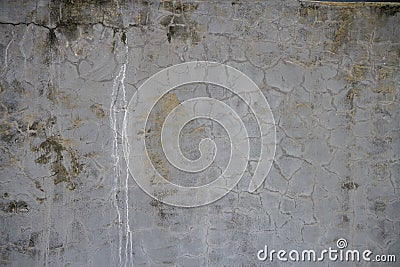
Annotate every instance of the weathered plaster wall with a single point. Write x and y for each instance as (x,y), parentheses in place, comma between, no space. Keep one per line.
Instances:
(68,68)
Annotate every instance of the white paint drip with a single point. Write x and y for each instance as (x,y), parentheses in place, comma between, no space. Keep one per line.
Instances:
(6,54)
(117,112)
(22,49)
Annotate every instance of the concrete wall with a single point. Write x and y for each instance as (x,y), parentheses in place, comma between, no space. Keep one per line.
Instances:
(68,69)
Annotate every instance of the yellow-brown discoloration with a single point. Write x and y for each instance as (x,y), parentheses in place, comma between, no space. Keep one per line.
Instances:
(303,105)
(58,152)
(312,13)
(385,73)
(167,104)
(357,73)
(385,89)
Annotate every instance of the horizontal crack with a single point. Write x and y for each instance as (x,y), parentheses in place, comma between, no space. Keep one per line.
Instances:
(78,24)
(26,24)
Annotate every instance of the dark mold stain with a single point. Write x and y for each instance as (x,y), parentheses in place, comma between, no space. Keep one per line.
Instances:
(350,186)
(178,24)
(123,38)
(35,128)
(25,245)
(183,30)
(33,240)
(14,207)
(164,212)
(386,10)
(52,45)
(38,186)
(71,14)
(52,38)
(178,7)
(379,206)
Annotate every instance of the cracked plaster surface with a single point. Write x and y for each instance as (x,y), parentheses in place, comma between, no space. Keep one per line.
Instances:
(69,68)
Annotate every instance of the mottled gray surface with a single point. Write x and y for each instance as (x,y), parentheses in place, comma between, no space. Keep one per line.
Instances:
(330,74)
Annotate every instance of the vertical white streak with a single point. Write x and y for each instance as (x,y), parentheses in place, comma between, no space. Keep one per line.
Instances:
(6,53)
(55,81)
(117,112)
(21,45)
(128,233)
(115,154)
